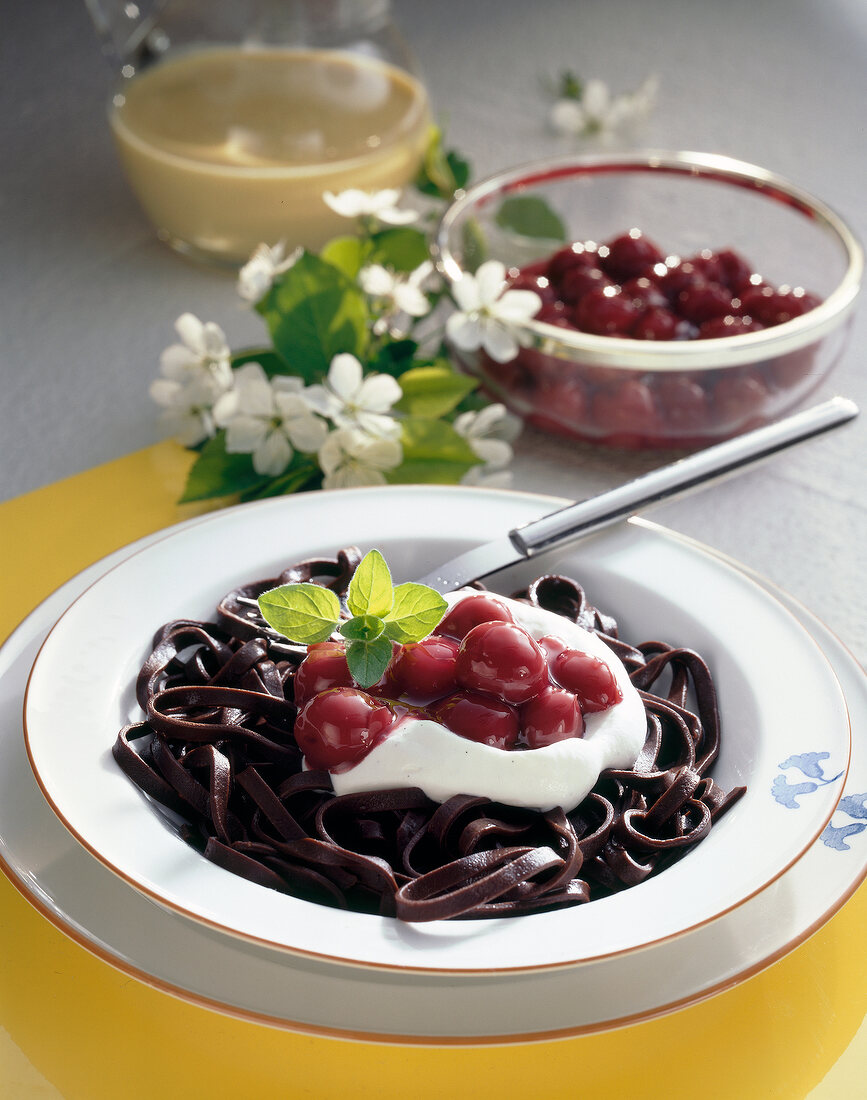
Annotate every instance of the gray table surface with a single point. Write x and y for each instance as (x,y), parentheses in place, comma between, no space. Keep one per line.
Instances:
(88,297)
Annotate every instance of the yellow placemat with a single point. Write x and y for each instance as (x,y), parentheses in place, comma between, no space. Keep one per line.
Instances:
(73,1026)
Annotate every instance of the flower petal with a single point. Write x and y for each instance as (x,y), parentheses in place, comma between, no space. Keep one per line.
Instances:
(306,433)
(344,376)
(348,204)
(491,281)
(499,342)
(464,331)
(378,392)
(165,392)
(377,425)
(517,305)
(177,361)
(376,281)
(393,216)
(322,400)
(244,434)
(493,452)
(273,455)
(382,454)
(190,329)
(465,292)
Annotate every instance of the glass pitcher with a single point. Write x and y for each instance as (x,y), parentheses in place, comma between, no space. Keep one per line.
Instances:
(232,117)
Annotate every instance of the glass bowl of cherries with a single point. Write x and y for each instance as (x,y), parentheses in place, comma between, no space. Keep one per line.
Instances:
(683,297)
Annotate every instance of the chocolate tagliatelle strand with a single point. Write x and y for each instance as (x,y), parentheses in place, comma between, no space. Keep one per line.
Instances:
(217,748)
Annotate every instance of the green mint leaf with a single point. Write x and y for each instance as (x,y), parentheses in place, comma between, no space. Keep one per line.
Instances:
(432,391)
(530,216)
(347,254)
(433,453)
(304,613)
(313,313)
(370,590)
(460,169)
(416,612)
(368,660)
(215,473)
(363,628)
(402,249)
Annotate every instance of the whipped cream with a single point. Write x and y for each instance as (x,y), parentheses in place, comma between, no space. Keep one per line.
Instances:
(422,753)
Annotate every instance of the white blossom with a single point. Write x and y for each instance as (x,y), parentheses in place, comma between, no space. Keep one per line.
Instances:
(404,292)
(353,401)
(257,276)
(203,354)
(350,458)
(194,375)
(186,409)
(600,112)
(267,418)
(382,205)
(489,315)
(490,433)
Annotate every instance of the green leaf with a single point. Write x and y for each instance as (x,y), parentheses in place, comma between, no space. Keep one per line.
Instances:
(433,452)
(370,590)
(442,173)
(347,254)
(368,660)
(432,391)
(475,245)
(302,472)
(363,628)
(269,360)
(314,313)
(401,249)
(395,357)
(217,474)
(416,612)
(304,613)
(530,216)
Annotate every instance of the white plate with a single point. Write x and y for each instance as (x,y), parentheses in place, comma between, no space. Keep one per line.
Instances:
(81,692)
(92,906)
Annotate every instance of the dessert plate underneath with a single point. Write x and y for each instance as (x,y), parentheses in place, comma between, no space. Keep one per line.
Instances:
(96,909)
(80,693)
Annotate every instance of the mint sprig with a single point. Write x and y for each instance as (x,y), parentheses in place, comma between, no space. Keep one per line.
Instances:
(381,614)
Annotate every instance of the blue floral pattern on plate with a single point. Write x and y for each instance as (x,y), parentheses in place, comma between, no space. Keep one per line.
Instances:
(810,765)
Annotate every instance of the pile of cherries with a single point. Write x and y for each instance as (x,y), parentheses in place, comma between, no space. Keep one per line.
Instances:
(628,288)
(481,675)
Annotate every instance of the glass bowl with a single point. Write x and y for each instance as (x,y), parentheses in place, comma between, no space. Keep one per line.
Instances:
(647,393)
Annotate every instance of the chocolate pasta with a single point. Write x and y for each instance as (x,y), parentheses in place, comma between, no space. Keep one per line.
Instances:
(216,746)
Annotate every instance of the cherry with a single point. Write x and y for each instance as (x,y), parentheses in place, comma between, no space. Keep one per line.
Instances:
(737,397)
(553,715)
(551,646)
(470,612)
(684,403)
(709,265)
(587,677)
(657,323)
(727,326)
(574,255)
(502,659)
(479,718)
(340,726)
(673,278)
(539,284)
(626,413)
(702,300)
(324,667)
(580,281)
(644,293)
(560,404)
(425,670)
(606,312)
(736,272)
(630,255)
(775,307)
